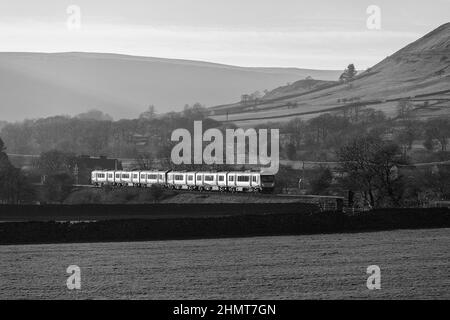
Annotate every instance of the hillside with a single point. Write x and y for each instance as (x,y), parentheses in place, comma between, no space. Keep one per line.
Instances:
(41,84)
(300,86)
(419,73)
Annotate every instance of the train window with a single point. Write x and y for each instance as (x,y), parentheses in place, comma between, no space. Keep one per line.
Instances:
(125,176)
(161,176)
(243,178)
(268,179)
(231,178)
(199,178)
(255,179)
(135,176)
(179,177)
(190,178)
(118,176)
(209,178)
(142,176)
(110,176)
(152,176)
(221,178)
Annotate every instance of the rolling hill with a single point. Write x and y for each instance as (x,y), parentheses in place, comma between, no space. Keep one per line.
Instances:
(43,84)
(418,73)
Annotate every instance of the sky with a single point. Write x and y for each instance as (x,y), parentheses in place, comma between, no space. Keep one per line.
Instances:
(319,34)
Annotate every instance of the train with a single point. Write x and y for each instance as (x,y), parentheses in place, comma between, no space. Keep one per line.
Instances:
(227,181)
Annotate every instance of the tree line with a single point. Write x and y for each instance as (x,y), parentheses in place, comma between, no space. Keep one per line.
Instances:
(374,152)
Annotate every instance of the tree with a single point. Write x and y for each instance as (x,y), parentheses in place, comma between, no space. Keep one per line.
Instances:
(57,187)
(348,74)
(4,160)
(55,162)
(196,112)
(291,151)
(95,115)
(438,130)
(322,181)
(429,144)
(2,145)
(145,161)
(438,181)
(14,186)
(296,128)
(256,95)
(149,114)
(405,137)
(370,167)
(404,109)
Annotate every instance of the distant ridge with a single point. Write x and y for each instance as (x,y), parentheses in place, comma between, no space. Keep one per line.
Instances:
(36,85)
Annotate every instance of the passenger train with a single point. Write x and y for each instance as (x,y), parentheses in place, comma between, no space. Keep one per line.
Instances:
(230,181)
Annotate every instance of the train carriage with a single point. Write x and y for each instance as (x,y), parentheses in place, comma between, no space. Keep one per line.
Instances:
(135,179)
(117,178)
(222,181)
(210,181)
(143,178)
(231,181)
(125,179)
(110,179)
(98,178)
(177,180)
(151,178)
(243,181)
(190,181)
(255,182)
(199,180)
(162,177)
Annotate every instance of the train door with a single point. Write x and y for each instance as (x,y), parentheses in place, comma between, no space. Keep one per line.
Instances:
(199,181)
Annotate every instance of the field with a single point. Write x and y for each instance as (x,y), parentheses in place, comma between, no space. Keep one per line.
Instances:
(414,265)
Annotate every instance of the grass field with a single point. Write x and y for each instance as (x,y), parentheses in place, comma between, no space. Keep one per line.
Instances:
(414,265)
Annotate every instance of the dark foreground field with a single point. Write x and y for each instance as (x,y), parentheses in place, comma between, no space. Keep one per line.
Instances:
(218,222)
(414,265)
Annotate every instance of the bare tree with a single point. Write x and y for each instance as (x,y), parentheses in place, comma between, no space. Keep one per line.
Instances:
(369,165)
(145,161)
(439,130)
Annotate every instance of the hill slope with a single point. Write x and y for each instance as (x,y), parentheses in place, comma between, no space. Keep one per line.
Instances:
(42,84)
(420,73)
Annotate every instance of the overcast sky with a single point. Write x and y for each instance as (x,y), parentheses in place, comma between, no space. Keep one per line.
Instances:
(321,34)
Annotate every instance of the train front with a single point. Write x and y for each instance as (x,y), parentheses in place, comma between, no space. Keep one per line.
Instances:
(267,183)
